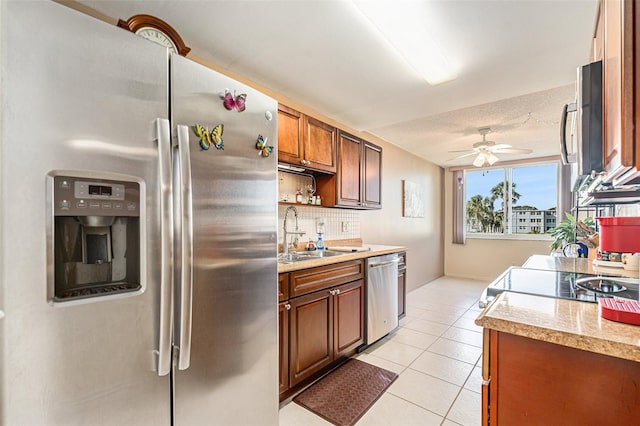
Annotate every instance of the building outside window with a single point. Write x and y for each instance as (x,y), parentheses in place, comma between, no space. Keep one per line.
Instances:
(511,200)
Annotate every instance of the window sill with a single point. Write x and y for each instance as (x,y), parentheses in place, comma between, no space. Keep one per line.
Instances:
(518,237)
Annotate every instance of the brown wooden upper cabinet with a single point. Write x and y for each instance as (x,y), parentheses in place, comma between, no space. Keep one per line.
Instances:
(358,180)
(305,141)
(619,44)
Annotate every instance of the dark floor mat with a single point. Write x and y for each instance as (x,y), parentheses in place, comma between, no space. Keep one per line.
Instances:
(345,394)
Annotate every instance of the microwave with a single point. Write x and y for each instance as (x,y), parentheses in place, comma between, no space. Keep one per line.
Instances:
(583,146)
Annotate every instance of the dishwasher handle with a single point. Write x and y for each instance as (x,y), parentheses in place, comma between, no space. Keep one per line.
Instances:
(381,264)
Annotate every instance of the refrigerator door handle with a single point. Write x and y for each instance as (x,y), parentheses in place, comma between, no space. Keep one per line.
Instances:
(564,152)
(163,138)
(186,276)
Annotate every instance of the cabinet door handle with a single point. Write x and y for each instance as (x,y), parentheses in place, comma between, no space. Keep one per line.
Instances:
(287,306)
(332,292)
(337,291)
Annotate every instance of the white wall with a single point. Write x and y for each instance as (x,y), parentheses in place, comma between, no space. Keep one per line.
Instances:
(422,236)
(482,259)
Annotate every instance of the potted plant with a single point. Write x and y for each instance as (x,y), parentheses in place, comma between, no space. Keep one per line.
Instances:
(572,231)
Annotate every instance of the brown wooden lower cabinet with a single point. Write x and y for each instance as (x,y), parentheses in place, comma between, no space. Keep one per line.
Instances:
(536,382)
(402,291)
(324,326)
(402,285)
(321,328)
(311,342)
(348,318)
(283,287)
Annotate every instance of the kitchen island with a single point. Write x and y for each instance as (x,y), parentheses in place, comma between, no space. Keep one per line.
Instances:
(557,361)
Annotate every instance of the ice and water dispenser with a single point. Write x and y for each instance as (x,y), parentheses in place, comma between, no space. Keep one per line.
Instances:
(96,237)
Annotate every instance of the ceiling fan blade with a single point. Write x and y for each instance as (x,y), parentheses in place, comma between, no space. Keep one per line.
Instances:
(463,150)
(462,156)
(512,151)
(499,146)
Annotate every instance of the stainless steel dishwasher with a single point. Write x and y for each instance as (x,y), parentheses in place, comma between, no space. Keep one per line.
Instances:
(382,296)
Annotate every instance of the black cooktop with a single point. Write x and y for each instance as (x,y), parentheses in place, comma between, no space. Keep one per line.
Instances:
(565,285)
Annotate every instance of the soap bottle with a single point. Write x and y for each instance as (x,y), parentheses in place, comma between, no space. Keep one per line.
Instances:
(320,242)
(311,245)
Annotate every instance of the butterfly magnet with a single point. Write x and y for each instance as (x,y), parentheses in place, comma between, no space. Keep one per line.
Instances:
(209,138)
(261,145)
(232,102)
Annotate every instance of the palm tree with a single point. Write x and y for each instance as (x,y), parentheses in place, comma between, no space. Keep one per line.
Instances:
(475,211)
(480,213)
(499,192)
(497,221)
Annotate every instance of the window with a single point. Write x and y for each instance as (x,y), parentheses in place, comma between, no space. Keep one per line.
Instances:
(511,200)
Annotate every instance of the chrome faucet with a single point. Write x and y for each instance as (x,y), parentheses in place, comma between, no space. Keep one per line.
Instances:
(285,243)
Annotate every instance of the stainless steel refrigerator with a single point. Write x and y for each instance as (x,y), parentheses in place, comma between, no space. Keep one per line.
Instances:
(138,260)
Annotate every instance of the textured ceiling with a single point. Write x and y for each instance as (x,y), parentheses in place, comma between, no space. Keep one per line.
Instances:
(516,63)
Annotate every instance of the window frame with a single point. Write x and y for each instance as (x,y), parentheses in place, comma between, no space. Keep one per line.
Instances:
(508,173)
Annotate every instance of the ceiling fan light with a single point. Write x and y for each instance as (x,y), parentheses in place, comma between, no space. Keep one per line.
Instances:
(491,158)
(480,160)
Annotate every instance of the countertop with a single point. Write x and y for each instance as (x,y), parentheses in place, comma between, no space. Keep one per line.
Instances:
(561,321)
(580,265)
(374,250)
(565,322)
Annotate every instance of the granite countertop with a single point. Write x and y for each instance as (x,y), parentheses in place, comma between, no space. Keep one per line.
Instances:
(561,321)
(374,250)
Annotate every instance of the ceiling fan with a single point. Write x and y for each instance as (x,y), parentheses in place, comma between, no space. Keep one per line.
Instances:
(486,151)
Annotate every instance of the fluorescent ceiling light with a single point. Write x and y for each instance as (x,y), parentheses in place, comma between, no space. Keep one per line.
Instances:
(402,24)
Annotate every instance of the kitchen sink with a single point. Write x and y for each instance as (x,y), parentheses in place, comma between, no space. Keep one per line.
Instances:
(299,256)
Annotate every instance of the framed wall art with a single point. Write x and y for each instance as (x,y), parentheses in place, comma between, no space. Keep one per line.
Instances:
(413,199)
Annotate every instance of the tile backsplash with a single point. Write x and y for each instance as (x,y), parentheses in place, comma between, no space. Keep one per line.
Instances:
(339,223)
(290,183)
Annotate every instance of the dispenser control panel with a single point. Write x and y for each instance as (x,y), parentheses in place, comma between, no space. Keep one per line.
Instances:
(100,191)
(75,196)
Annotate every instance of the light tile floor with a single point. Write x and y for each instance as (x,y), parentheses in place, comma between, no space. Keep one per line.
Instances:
(436,351)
